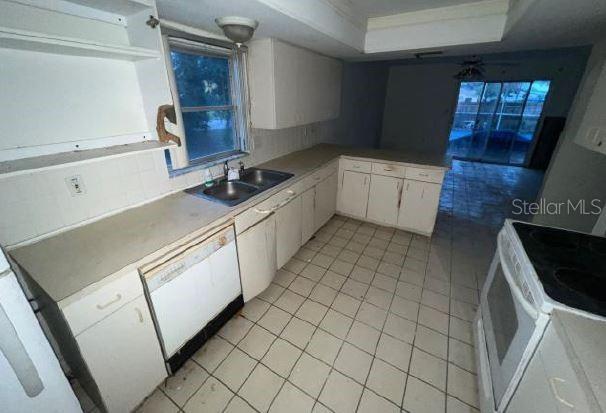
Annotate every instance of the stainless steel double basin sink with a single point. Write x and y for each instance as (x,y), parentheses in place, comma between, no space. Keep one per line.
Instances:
(252,181)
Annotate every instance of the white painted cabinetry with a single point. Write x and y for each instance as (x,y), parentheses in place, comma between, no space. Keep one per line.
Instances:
(308,200)
(291,86)
(100,57)
(123,355)
(326,200)
(384,199)
(288,230)
(354,193)
(391,194)
(257,256)
(419,206)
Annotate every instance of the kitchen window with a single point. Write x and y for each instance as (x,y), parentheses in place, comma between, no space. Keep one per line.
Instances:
(209,90)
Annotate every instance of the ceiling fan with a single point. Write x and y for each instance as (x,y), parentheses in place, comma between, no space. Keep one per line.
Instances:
(474,68)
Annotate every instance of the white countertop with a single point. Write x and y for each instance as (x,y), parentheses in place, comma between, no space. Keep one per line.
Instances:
(66,263)
(585,342)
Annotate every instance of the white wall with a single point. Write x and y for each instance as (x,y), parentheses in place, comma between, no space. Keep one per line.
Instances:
(38,203)
(576,173)
(421,95)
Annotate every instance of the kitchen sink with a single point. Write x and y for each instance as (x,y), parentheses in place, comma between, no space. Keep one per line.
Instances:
(263,178)
(252,181)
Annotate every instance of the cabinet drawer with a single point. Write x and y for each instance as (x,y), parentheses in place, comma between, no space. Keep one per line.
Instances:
(386,169)
(92,308)
(426,175)
(257,212)
(356,166)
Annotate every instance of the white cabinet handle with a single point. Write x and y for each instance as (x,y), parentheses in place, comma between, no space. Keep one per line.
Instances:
(139,314)
(423,174)
(107,304)
(388,169)
(286,201)
(317,178)
(554,388)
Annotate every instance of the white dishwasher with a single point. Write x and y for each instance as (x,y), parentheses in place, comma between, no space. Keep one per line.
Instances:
(193,291)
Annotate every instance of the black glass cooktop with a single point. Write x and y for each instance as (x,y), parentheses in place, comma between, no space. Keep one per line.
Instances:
(570,265)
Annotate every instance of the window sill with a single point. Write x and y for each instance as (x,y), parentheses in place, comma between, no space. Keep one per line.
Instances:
(207,163)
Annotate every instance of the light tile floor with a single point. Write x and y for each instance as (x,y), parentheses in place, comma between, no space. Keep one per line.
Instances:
(363,318)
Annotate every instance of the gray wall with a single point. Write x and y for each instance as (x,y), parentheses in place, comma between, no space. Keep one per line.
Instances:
(362,102)
(576,173)
(421,94)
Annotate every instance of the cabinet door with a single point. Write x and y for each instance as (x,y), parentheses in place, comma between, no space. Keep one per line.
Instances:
(326,200)
(288,231)
(286,73)
(308,200)
(384,199)
(123,355)
(257,256)
(419,206)
(354,193)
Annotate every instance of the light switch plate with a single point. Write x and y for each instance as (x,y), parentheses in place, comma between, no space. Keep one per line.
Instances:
(75,184)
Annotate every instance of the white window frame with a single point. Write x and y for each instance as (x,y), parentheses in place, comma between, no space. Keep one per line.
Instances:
(180,160)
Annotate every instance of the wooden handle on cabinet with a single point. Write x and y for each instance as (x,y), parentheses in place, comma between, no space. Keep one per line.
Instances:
(168,112)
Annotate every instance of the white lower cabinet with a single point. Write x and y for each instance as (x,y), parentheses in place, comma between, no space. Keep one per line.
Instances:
(419,206)
(326,200)
(308,200)
(257,256)
(354,193)
(288,230)
(123,355)
(384,199)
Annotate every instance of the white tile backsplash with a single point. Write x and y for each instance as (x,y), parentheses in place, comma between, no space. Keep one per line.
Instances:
(38,204)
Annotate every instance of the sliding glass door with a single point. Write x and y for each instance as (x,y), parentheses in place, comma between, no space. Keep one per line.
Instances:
(496,121)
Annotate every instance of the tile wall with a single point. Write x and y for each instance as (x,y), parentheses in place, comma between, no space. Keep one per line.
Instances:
(39,204)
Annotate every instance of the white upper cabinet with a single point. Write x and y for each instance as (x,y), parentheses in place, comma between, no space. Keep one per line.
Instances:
(90,76)
(290,86)
(419,206)
(384,199)
(354,193)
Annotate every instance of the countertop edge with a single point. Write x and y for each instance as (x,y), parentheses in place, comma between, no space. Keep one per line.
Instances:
(335,153)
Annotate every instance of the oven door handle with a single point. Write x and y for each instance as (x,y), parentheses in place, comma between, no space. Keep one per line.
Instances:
(529,308)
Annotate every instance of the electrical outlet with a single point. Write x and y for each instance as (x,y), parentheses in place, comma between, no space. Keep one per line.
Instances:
(75,184)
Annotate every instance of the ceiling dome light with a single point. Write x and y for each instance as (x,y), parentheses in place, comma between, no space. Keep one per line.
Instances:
(237,29)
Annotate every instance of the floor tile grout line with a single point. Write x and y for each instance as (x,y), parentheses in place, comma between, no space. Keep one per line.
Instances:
(412,351)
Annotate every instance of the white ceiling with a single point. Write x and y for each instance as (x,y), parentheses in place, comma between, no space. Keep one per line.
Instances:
(334,27)
(377,8)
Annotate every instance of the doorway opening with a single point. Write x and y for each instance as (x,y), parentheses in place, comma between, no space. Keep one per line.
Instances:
(496,122)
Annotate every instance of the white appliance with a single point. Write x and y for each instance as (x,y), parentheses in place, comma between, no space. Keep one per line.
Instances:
(191,286)
(515,308)
(30,374)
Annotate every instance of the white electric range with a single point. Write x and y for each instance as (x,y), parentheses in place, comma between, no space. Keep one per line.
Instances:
(535,270)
